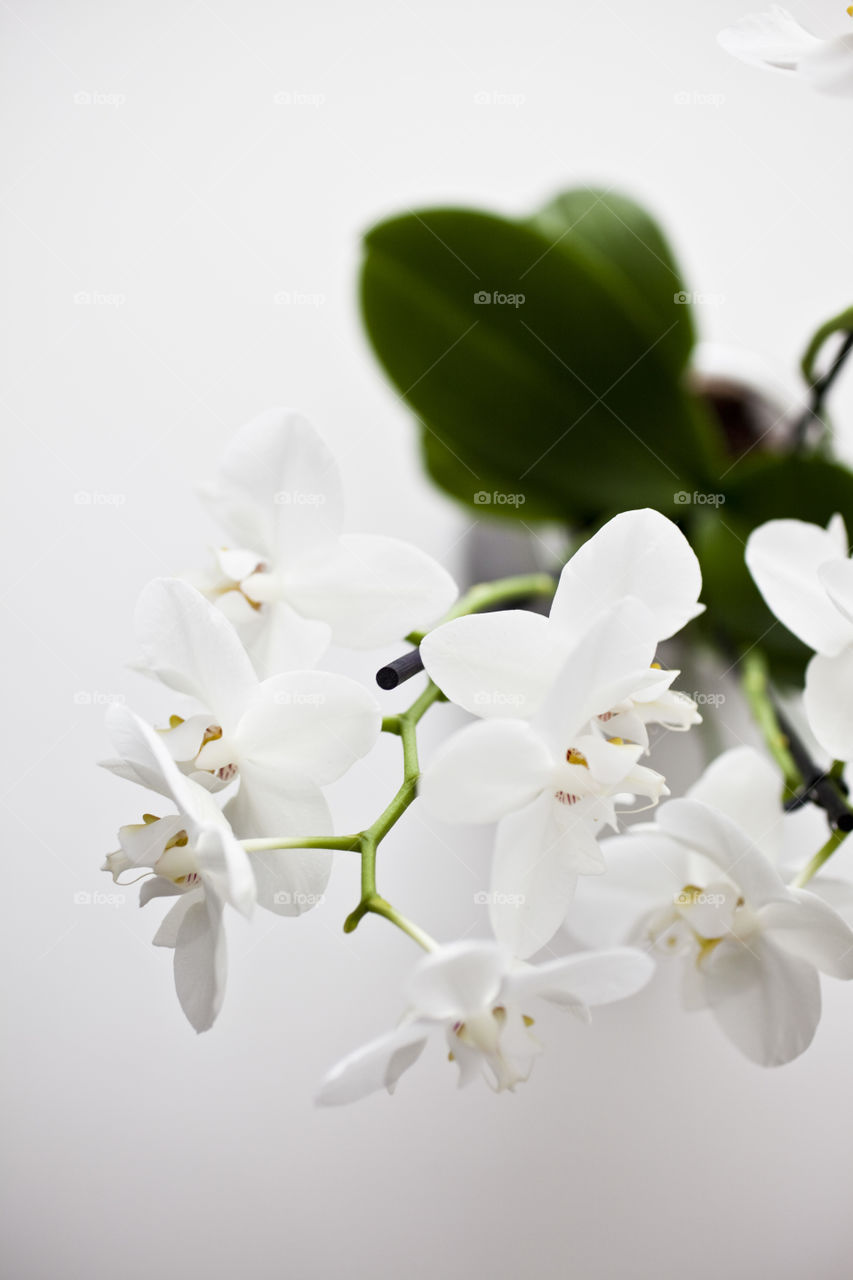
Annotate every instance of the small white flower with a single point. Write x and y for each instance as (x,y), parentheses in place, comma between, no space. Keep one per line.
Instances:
(584,679)
(805,575)
(703,883)
(291,581)
(503,664)
(551,782)
(283,738)
(193,854)
(473,994)
(775,41)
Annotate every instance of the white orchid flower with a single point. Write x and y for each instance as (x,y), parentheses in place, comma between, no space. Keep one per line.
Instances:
(805,575)
(776,41)
(474,994)
(703,883)
(503,664)
(193,854)
(551,782)
(291,581)
(284,738)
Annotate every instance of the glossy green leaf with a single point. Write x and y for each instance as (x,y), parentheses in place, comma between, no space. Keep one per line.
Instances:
(537,378)
(805,488)
(624,241)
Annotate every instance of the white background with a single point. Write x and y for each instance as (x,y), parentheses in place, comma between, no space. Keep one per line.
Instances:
(187,195)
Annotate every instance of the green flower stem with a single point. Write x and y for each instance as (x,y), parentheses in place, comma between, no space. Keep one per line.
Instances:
(380,907)
(377,906)
(803,780)
(820,386)
(756,687)
(836,773)
(823,854)
(404,726)
(819,787)
(485,595)
(348,843)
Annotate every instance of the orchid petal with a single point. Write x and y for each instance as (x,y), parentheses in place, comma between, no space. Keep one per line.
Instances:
(123,769)
(767,1003)
(312,724)
(458,980)
(170,925)
(377,1065)
(236,563)
(190,645)
(144,843)
(592,978)
(784,558)
(147,759)
(609,762)
(371,590)
(773,40)
(279,489)
(200,963)
(710,912)
(718,838)
(627,725)
(837,530)
(276,637)
(745,786)
(518,1050)
(828,702)
(279,639)
(642,781)
(607,664)
(810,929)
(485,771)
(492,664)
(643,872)
(225,868)
(267,805)
(837,893)
(539,853)
(291,881)
(159,887)
(638,553)
(836,578)
(184,740)
(470,1062)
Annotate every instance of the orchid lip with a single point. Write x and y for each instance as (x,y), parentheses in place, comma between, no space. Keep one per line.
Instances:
(178,862)
(217,755)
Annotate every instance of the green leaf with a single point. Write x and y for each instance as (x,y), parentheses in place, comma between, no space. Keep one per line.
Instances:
(622,239)
(806,488)
(558,392)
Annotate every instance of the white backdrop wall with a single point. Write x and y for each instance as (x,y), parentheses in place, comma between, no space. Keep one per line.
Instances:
(184,186)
